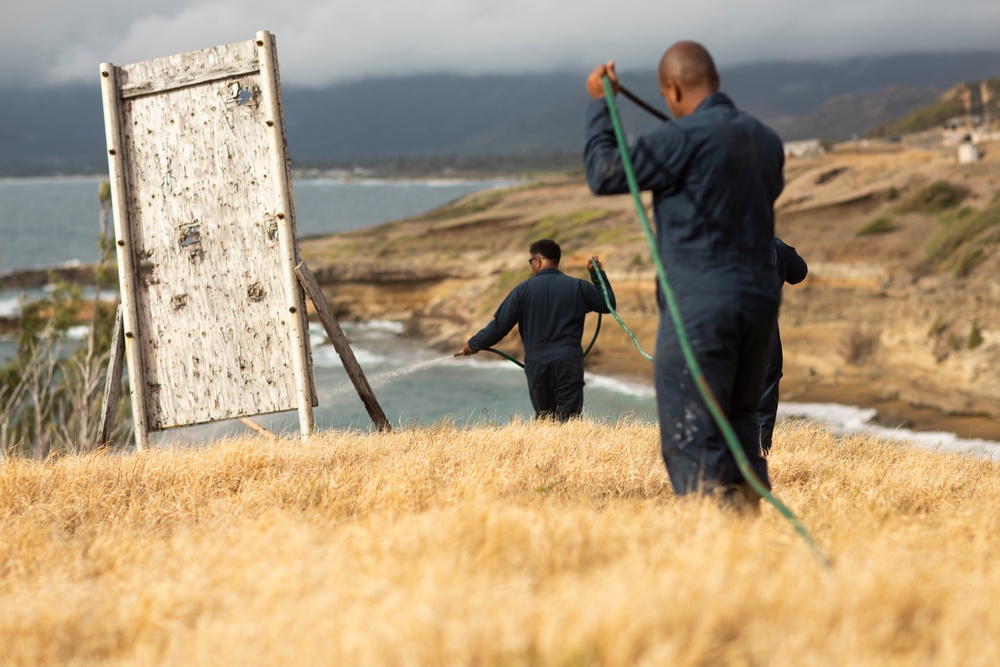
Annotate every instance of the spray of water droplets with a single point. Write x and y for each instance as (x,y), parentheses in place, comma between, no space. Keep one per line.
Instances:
(386,377)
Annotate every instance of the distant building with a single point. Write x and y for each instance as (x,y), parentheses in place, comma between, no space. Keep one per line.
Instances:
(967,151)
(805,148)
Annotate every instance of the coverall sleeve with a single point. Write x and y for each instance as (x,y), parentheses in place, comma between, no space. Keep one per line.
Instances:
(503,321)
(791,265)
(657,158)
(594,297)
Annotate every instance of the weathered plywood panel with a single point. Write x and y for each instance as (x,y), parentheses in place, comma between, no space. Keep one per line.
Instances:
(217,328)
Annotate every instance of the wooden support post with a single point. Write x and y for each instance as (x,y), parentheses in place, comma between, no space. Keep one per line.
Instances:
(257,428)
(113,383)
(339,340)
(125,250)
(270,88)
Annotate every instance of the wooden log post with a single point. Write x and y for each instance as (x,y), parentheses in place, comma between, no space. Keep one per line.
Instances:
(343,347)
(127,269)
(257,428)
(282,182)
(113,383)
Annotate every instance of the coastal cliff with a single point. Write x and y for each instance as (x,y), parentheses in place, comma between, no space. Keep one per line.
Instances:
(900,311)
(885,319)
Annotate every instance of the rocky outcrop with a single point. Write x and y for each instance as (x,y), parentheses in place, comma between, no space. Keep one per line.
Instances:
(873,319)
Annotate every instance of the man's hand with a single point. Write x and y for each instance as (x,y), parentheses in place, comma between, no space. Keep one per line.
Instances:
(595,82)
(466,351)
(592,261)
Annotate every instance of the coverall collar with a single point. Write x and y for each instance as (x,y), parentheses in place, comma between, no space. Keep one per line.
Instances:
(716,99)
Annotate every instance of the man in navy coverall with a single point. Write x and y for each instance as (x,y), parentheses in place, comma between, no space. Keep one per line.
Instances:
(715,173)
(549,310)
(791,269)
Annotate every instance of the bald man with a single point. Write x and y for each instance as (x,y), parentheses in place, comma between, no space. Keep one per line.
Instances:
(715,173)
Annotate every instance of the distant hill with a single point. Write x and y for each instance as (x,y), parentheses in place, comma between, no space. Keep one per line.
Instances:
(970,98)
(513,117)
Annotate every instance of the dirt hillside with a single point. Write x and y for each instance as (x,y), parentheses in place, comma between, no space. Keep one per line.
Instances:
(905,318)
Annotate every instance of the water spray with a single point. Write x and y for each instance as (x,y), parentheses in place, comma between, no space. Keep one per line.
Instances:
(390,376)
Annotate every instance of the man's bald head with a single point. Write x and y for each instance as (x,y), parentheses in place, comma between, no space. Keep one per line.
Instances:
(689,65)
(687,76)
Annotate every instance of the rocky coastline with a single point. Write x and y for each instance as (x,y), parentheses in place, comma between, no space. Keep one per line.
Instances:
(876,324)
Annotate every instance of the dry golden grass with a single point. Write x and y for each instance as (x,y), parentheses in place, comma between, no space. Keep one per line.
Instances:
(522,544)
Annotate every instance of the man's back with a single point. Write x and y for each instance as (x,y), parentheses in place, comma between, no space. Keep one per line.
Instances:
(555,308)
(549,310)
(715,175)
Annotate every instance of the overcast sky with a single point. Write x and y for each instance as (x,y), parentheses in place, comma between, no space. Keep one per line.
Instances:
(57,41)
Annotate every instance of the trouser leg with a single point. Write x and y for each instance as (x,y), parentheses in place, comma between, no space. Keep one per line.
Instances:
(540,388)
(759,320)
(729,335)
(567,375)
(556,386)
(767,410)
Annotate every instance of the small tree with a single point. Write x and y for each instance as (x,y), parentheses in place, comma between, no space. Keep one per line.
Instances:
(50,400)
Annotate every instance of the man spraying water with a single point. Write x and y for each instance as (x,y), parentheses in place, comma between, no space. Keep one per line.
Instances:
(549,310)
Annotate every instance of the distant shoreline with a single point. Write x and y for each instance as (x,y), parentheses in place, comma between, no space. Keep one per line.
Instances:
(16,279)
(891,413)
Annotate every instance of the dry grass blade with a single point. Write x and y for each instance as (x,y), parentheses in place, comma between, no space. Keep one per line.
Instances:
(519,544)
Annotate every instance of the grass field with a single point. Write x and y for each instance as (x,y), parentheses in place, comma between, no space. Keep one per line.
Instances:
(521,544)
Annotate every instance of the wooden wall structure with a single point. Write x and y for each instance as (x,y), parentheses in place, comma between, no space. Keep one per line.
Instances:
(214,318)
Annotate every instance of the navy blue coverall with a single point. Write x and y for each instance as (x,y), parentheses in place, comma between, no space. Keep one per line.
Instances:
(791,269)
(549,310)
(715,175)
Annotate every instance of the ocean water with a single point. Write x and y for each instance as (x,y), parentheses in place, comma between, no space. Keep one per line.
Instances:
(418,386)
(50,221)
(413,384)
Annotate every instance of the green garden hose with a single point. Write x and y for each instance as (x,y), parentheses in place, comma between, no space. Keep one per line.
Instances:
(696,373)
(593,340)
(607,302)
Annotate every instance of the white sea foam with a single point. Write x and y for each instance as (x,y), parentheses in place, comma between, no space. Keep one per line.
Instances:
(620,386)
(849,420)
(78,332)
(10,307)
(594,381)
(388,326)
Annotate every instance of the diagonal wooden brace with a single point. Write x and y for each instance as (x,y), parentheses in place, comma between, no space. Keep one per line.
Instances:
(339,340)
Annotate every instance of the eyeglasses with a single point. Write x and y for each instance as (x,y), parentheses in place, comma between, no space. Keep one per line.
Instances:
(532,260)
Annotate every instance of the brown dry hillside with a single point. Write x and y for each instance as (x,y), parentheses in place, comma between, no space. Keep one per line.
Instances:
(881,320)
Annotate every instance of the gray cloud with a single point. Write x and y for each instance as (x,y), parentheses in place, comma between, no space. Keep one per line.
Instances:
(60,41)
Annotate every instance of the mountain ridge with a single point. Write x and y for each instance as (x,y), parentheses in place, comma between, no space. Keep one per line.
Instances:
(61,130)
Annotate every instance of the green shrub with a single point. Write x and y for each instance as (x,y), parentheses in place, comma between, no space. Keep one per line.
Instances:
(967,262)
(859,345)
(975,337)
(880,225)
(959,227)
(574,225)
(925,118)
(937,327)
(935,198)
